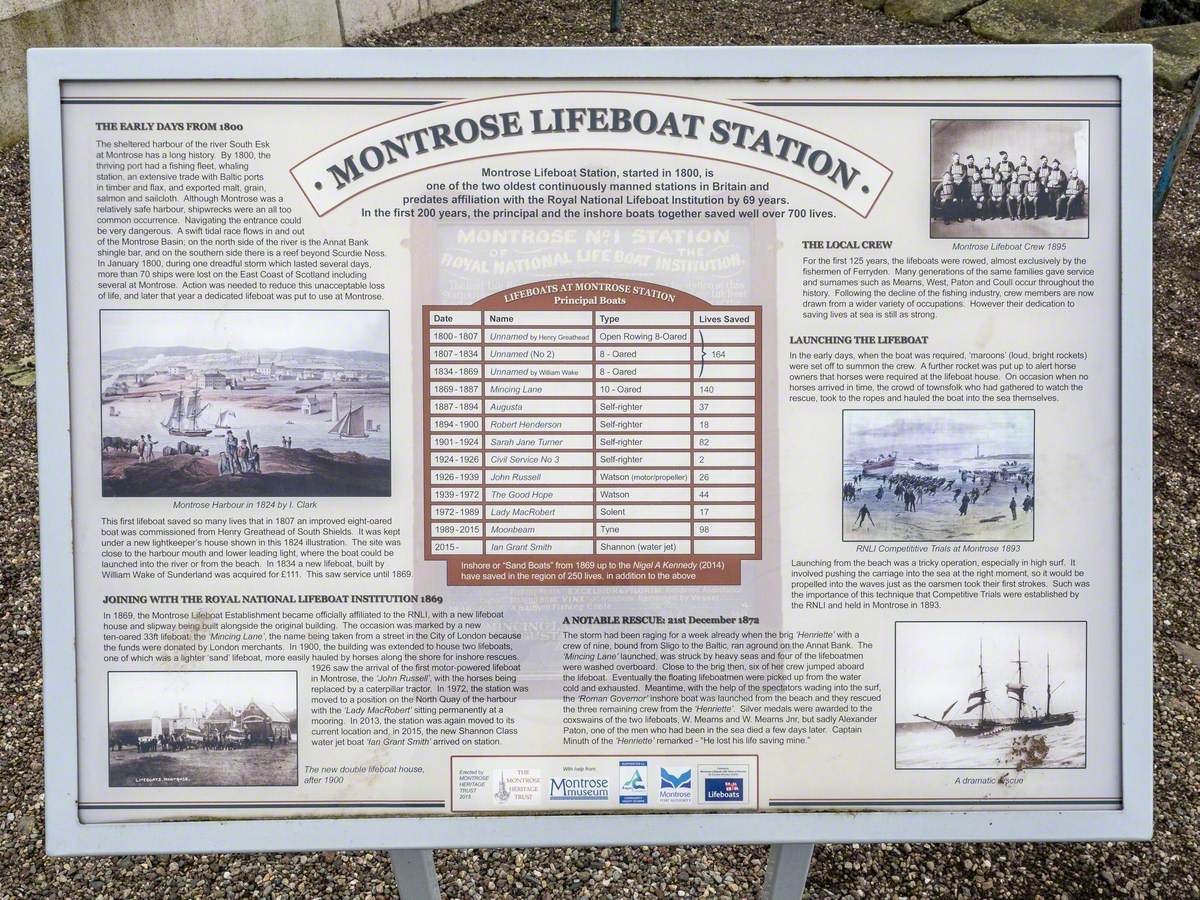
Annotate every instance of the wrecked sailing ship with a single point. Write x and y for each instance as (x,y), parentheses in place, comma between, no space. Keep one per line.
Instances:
(1047,719)
(977,699)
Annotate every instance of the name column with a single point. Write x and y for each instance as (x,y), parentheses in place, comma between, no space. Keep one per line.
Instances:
(538,432)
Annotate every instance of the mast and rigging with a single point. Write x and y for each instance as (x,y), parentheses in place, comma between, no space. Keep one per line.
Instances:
(188,411)
(976,700)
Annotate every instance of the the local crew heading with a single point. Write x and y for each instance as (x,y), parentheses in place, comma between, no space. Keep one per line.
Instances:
(683,126)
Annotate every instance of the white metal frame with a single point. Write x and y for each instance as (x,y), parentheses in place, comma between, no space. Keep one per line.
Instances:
(64,832)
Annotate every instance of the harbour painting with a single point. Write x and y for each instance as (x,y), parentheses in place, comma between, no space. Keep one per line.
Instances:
(991,695)
(938,475)
(245,403)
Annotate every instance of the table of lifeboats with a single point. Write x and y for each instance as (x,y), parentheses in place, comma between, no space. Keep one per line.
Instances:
(610,435)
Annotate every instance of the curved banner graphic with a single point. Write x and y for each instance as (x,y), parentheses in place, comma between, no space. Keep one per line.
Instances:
(607,121)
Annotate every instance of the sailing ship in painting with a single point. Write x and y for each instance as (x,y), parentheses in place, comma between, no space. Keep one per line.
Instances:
(353,425)
(189,412)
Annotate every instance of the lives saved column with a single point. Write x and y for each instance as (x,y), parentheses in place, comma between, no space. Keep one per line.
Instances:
(724,424)
(643,432)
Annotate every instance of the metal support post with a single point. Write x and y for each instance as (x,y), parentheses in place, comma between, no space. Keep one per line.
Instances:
(787,871)
(415,875)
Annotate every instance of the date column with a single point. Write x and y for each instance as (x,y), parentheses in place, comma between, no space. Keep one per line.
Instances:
(454,456)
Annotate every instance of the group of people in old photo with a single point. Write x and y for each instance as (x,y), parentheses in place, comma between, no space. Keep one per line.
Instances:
(986,189)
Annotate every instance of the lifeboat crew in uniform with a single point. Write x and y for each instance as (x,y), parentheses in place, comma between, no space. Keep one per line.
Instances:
(1043,170)
(972,169)
(978,200)
(958,177)
(945,199)
(996,199)
(1032,199)
(987,172)
(1014,195)
(1004,168)
(1043,173)
(1072,199)
(1055,182)
(1024,171)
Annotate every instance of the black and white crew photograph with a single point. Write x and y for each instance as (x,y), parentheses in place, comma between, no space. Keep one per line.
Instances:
(991,695)
(1008,178)
(202,729)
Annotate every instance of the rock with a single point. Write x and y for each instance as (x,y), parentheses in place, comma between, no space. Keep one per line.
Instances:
(1176,60)
(1188,652)
(1051,21)
(870,4)
(928,12)
(1170,12)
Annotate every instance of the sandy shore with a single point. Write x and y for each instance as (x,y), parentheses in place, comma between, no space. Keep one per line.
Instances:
(937,517)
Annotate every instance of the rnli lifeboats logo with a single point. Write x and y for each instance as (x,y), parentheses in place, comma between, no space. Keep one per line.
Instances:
(724,783)
(559,122)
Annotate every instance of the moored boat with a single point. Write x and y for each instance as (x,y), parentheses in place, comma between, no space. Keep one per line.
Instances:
(188,412)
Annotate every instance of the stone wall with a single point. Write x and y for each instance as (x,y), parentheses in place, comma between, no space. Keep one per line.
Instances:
(183,23)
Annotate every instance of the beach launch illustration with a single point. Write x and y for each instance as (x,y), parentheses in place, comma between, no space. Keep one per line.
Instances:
(938,475)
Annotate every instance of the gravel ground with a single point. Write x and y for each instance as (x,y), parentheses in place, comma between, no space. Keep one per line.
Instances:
(1165,868)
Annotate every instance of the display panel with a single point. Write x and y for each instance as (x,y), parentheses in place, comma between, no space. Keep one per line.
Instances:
(595,444)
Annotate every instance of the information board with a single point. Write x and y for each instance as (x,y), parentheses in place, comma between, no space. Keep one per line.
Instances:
(459,438)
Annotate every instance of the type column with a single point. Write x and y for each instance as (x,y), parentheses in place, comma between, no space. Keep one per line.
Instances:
(643,432)
(537,435)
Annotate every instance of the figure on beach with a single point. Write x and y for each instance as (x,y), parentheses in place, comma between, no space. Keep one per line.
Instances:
(864,513)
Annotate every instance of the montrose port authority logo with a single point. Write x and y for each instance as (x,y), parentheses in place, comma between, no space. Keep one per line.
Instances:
(682,780)
(674,787)
(633,781)
(580,788)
